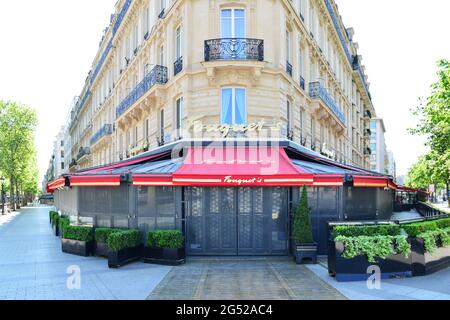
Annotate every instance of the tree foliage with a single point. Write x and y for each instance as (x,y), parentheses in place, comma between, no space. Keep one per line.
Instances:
(17,148)
(434,123)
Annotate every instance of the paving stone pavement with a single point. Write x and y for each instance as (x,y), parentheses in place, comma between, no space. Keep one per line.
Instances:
(243,279)
(32,266)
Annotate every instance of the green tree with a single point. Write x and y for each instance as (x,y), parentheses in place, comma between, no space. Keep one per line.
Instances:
(17,127)
(302,230)
(434,123)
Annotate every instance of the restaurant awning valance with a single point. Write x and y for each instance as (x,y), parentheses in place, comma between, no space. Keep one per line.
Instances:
(56,184)
(95,181)
(370,181)
(239,166)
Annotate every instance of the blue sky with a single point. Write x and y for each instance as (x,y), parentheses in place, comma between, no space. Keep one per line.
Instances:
(47,48)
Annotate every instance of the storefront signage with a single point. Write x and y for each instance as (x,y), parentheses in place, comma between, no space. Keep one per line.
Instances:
(196,125)
(236,181)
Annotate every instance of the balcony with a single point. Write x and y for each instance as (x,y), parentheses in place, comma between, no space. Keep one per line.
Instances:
(83,152)
(289,68)
(178,66)
(158,75)
(106,130)
(234,49)
(302,83)
(316,90)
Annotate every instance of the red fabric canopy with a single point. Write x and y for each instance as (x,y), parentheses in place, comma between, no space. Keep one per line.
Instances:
(239,166)
(56,184)
(145,180)
(370,182)
(95,181)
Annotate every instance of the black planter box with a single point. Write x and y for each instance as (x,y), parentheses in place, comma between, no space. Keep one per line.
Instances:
(356,269)
(79,248)
(120,258)
(305,253)
(101,249)
(424,263)
(171,257)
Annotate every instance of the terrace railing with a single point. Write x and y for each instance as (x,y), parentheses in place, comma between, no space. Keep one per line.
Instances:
(234,49)
(158,75)
(83,152)
(316,90)
(106,130)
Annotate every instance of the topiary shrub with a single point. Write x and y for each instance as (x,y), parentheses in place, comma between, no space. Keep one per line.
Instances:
(167,239)
(79,233)
(55,220)
(102,234)
(302,230)
(369,230)
(124,239)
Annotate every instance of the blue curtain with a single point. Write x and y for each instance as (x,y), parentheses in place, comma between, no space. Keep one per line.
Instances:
(226,24)
(241,108)
(227,107)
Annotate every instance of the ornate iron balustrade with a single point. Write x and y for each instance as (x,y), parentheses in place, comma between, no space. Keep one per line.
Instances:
(316,90)
(289,68)
(302,83)
(83,152)
(73,163)
(106,130)
(158,75)
(121,15)
(234,49)
(162,13)
(178,66)
(101,62)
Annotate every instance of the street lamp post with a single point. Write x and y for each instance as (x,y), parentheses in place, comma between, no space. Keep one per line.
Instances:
(2,181)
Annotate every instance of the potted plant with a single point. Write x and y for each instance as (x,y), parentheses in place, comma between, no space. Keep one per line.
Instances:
(101,248)
(165,247)
(124,247)
(78,240)
(304,247)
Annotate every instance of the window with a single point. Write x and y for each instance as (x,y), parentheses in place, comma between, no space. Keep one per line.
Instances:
(62,165)
(289,117)
(135,38)
(302,126)
(136,135)
(146,24)
(162,5)
(178,48)
(161,56)
(179,117)
(233,23)
(234,109)
(161,124)
(147,128)
(288,46)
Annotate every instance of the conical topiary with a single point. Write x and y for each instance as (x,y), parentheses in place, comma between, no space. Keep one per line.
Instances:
(302,230)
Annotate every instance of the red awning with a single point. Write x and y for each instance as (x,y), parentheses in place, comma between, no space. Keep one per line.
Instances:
(402,188)
(95,181)
(146,180)
(328,180)
(370,182)
(239,166)
(56,184)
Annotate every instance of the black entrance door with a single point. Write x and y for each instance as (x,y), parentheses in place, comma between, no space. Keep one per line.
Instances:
(236,221)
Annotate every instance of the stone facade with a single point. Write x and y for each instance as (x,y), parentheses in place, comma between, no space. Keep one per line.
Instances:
(291,64)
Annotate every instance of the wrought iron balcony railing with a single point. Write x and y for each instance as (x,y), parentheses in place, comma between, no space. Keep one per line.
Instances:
(316,90)
(234,49)
(158,75)
(178,66)
(289,68)
(83,152)
(302,83)
(106,130)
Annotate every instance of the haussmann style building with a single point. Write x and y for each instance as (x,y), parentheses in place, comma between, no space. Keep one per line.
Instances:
(209,116)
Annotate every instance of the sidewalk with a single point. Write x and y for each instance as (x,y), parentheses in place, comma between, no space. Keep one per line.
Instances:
(32,266)
(432,287)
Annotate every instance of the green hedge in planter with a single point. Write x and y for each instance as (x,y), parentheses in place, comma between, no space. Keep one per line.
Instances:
(375,246)
(53,216)
(102,234)
(55,220)
(124,239)
(168,239)
(79,233)
(443,223)
(64,222)
(414,229)
(431,238)
(368,231)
